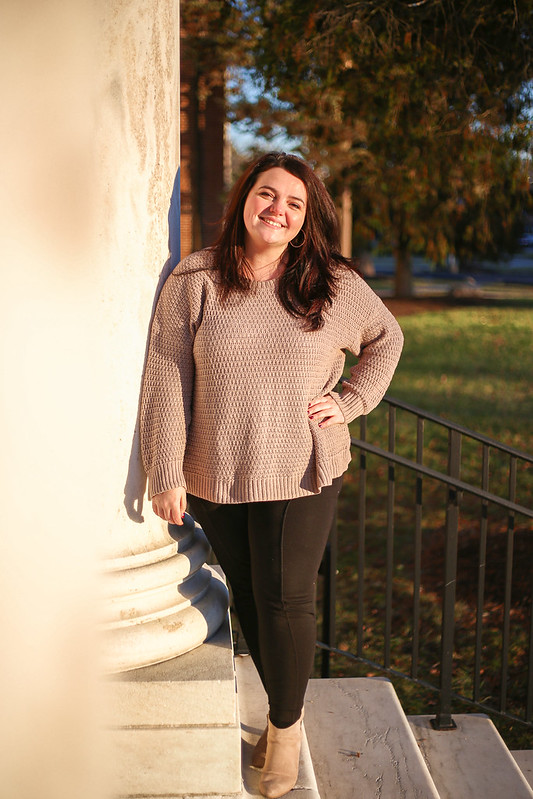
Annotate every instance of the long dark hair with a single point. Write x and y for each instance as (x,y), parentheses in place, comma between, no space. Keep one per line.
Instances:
(307,285)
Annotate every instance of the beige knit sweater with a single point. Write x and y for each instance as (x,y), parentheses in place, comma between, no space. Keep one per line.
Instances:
(226,386)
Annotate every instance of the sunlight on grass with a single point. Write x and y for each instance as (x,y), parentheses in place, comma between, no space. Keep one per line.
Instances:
(472,366)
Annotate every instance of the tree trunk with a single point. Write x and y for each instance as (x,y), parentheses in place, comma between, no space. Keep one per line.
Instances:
(191,234)
(346,216)
(403,278)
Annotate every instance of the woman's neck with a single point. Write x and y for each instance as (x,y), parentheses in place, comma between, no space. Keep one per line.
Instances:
(263,267)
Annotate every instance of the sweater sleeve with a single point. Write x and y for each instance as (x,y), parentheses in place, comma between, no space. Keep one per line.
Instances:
(168,381)
(376,339)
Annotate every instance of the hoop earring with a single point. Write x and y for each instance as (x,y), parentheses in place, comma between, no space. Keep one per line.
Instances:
(297,246)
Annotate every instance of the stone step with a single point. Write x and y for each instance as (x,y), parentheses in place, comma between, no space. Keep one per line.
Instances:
(524,760)
(253,710)
(361,743)
(173,728)
(470,762)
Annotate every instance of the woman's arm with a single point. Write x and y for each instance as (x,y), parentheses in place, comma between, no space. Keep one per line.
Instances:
(168,381)
(376,340)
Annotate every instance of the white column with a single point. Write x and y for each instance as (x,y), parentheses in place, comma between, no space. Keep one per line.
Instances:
(89,142)
(161,598)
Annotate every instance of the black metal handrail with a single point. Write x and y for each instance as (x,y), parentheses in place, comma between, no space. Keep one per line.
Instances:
(456,489)
(459,485)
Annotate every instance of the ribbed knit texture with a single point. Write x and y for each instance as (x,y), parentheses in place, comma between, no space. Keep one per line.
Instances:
(227,384)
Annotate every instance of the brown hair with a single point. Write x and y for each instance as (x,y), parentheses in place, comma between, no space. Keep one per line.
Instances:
(307,285)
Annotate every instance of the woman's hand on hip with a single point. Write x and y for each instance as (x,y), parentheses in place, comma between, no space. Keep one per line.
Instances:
(170,505)
(325,411)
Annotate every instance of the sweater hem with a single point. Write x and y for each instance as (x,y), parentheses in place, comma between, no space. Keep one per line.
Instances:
(266,489)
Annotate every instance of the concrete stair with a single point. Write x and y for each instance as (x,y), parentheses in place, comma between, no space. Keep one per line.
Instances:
(359,743)
(524,759)
(185,729)
(471,761)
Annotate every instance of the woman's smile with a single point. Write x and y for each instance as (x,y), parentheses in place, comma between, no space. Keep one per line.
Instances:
(271,222)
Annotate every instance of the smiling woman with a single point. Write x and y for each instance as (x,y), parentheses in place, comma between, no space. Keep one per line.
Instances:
(274,213)
(240,415)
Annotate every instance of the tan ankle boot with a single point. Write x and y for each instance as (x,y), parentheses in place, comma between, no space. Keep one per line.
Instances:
(280,771)
(259,753)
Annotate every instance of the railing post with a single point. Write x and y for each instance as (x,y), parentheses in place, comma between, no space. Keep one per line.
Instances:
(417,577)
(506,632)
(482,573)
(443,720)
(529,698)
(328,570)
(361,545)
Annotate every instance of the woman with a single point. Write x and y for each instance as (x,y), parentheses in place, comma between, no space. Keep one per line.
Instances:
(240,415)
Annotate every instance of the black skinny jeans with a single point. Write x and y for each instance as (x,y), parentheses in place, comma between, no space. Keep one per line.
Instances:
(271,553)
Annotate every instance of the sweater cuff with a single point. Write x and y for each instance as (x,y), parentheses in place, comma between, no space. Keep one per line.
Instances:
(349,402)
(164,477)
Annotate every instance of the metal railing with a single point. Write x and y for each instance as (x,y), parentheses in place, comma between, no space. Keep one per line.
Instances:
(474,502)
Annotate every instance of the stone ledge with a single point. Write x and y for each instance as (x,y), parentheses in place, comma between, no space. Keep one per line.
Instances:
(162,762)
(173,728)
(195,689)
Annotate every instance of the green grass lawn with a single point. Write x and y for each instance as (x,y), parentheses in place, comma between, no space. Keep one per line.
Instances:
(471,365)
(474,366)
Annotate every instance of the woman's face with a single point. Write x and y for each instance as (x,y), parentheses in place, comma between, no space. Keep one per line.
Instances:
(274,211)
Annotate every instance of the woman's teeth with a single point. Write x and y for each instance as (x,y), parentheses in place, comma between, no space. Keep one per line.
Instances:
(271,223)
